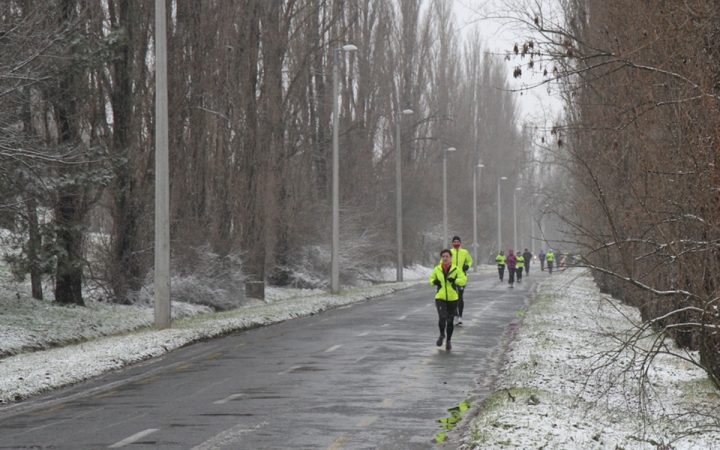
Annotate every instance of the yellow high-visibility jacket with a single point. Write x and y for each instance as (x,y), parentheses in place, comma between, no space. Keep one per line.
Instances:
(549,256)
(446,290)
(460,257)
(520,262)
(500,259)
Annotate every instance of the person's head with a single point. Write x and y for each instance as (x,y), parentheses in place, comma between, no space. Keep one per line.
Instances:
(526,250)
(502,252)
(456,242)
(446,256)
(510,252)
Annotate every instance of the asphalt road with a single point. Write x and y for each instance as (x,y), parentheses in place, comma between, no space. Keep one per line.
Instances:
(367,376)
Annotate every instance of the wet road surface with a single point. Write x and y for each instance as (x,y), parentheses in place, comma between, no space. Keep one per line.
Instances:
(366,376)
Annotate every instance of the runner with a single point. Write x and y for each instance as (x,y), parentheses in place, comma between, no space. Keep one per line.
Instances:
(512,267)
(462,259)
(446,277)
(500,259)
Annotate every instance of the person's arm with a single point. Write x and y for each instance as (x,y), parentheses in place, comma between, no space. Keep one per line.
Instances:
(468,260)
(461,279)
(434,279)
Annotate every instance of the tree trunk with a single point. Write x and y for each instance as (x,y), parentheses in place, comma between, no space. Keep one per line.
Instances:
(34,250)
(69,270)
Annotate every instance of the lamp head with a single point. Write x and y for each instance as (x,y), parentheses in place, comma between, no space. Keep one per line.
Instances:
(349,48)
(503,178)
(480,166)
(407,112)
(450,149)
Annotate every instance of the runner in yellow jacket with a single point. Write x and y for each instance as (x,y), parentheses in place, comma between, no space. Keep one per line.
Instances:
(462,259)
(447,278)
(500,259)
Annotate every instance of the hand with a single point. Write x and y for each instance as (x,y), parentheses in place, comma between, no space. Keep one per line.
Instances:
(437,283)
(465,267)
(451,280)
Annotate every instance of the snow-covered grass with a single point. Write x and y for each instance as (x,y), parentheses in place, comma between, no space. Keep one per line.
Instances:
(102,337)
(556,391)
(551,393)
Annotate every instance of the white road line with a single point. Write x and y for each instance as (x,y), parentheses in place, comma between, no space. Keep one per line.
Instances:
(402,317)
(333,348)
(134,438)
(364,334)
(386,325)
(289,370)
(228,399)
(228,438)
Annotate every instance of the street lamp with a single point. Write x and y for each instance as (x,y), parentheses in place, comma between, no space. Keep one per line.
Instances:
(162,185)
(478,168)
(398,193)
(499,220)
(335,254)
(515,216)
(445,238)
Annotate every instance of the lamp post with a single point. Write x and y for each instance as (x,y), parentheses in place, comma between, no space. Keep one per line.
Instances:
(162,186)
(398,191)
(499,219)
(478,168)
(515,217)
(335,254)
(445,238)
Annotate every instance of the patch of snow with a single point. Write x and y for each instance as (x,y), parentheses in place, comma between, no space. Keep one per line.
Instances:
(567,383)
(28,324)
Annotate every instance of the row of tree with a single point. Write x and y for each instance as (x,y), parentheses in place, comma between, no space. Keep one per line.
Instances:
(250,137)
(638,151)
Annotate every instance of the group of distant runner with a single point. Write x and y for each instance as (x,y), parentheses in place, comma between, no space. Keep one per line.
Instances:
(450,277)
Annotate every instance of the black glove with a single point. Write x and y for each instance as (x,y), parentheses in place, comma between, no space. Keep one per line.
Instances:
(437,283)
(465,267)
(451,280)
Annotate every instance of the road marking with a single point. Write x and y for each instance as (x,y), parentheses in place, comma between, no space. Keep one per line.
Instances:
(386,403)
(333,348)
(147,380)
(183,367)
(324,320)
(107,394)
(367,421)
(364,334)
(134,438)
(339,442)
(402,317)
(427,361)
(239,345)
(415,372)
(289,370)
(401,388)
(214,355)
(387,324)
(228,437)
(58,407)
(228,399)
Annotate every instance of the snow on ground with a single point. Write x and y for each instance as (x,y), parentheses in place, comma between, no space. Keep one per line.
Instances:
(85,342)
(547,396)
(553,394)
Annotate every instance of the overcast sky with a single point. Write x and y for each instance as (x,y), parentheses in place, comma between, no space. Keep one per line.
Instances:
(500,37)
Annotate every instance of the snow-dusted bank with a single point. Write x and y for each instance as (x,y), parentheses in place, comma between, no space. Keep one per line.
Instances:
(26,325)
(552,394)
